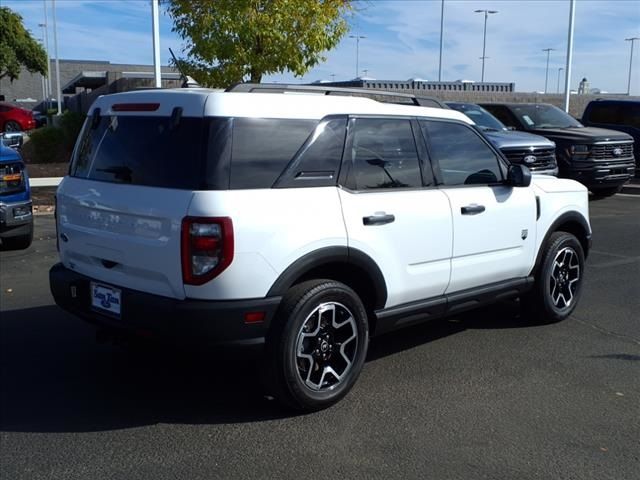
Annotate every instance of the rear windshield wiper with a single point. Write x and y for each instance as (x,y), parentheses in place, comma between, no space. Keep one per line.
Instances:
(120,173)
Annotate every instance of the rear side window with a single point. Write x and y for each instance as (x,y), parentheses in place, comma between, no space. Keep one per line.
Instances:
(153,151)
(463,158)
(317,163)
(383,155)
(263,147)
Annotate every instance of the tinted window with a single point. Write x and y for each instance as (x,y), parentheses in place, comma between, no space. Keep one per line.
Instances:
(317,164)
(463,157)
(631,114)
(263,147)
(383,155)
(603,113)
(502,114)
(153,151)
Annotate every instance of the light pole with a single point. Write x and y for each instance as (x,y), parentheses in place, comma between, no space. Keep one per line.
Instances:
(155,27)
(558,86)
(45,27)
(441,38)
(632,39)
(55,48)
(43,80)
(484,37)
(567,72)
(546,75)
(357,37)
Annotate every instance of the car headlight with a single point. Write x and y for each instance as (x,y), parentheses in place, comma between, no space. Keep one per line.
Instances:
(579,149)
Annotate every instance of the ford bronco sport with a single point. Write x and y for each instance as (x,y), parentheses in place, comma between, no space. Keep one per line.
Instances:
(303,223)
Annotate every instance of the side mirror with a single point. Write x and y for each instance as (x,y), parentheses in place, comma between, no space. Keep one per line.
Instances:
(518,176)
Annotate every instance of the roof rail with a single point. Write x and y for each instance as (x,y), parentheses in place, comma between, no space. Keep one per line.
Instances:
(328,90)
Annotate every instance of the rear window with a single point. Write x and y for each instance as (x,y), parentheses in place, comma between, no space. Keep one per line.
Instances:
(192,153)
(142,150)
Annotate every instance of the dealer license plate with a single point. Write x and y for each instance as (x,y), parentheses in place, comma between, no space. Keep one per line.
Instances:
(106,298)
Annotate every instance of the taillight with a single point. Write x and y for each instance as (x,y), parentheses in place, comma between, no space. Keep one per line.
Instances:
(207,248)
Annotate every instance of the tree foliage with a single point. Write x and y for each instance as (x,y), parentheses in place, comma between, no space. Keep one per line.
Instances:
(229,41)
(18,48)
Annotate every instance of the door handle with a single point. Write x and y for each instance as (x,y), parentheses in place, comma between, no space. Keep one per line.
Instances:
(472,209)
(378,219)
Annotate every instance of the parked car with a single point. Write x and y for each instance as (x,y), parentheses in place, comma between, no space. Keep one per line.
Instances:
(619,114)
(15,119)
(16,218)
(536,152)
(40,118)
(304,225)
(600,159)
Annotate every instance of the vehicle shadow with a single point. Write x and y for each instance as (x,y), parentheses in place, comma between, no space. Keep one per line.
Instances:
(54,377)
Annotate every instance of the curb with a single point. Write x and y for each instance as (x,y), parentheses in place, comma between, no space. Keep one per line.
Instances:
(44,182)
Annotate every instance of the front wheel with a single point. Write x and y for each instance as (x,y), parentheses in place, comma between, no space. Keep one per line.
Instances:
(317,345)
(607,191)
(12,126)
(20,242)
(558,281)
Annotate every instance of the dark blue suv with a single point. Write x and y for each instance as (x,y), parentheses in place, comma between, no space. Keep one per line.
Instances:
(16,217)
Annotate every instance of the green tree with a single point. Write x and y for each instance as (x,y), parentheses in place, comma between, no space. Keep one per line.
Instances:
(18,48)
(231,40)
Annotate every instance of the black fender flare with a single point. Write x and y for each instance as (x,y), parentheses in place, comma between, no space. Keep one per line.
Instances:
(566,217)
(327,255)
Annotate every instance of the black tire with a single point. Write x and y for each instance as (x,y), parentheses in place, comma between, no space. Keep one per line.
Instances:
(20,242)
(559,280)
(607,192)
(12,126)
(299,349)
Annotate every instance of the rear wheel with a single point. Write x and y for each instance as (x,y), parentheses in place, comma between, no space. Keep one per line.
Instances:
(317,345)
(559,280)
(12,126)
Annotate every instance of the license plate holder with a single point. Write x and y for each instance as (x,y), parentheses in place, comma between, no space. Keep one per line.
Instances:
(106,298)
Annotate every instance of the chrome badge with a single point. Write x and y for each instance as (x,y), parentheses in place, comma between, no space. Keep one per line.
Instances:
(617,151)
(530,159)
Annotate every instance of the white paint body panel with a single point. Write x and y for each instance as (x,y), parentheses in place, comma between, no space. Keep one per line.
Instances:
(136,227)
(272,229)
(488,247)
(413,252)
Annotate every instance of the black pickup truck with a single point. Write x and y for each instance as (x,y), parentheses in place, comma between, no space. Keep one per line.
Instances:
(600,159)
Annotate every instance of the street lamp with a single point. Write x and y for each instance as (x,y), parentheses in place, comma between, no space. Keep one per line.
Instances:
(546,75)
(441,38)
(558,86)
(357,37)
(484,37)
(632,39)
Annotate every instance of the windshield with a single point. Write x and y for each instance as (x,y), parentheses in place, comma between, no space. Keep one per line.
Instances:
(544,116)
(479,115)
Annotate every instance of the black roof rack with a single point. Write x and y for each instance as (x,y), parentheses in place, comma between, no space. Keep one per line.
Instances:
(329,90)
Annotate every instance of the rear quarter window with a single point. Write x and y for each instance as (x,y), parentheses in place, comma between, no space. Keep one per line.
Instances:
(263,147)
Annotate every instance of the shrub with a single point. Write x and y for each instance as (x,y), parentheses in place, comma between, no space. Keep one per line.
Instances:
(71,123)
(52,144)
(46,145)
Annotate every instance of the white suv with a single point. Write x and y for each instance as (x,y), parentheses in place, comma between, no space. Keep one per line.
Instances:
(305,223)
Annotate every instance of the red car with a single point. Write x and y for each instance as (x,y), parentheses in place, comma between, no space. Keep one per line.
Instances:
(15,119)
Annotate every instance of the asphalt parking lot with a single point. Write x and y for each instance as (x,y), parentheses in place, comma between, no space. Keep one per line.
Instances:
(484,395)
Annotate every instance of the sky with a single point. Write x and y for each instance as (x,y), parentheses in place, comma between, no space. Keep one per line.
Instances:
(402,39)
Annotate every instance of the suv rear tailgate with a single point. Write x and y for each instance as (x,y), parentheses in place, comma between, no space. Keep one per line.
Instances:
(123,235)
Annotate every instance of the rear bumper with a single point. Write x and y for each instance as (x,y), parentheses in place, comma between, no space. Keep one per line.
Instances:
(197,321)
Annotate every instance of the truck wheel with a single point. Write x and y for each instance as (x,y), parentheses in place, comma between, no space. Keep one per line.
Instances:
(317,345)
(20,242)
(559,280)
(607,192)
